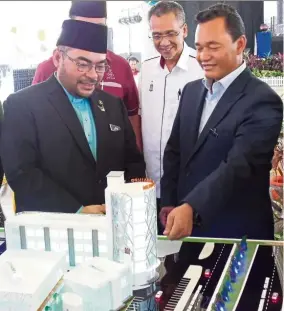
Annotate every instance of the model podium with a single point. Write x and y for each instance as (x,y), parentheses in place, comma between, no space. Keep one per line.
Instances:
(81,236)
(100,284)
(132,224)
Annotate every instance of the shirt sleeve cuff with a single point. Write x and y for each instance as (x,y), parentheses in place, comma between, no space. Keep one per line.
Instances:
(132,113)
(79,210)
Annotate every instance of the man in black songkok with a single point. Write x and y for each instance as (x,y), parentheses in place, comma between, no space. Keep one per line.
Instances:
(60,138)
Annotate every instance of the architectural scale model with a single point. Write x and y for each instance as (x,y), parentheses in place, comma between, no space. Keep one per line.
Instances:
(113,257)
(27,277)
(232,277)
(71,302)
(278,253)
(100,283)
(132,221)
(127,233)
(127,236)
(81,236)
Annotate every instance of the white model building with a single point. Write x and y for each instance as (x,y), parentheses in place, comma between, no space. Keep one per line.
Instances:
(72,302)
(28,277)
(132,225)
(128,232)
(81,236)
(100,283)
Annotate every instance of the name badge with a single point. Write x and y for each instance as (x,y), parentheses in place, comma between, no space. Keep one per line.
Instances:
(114,128)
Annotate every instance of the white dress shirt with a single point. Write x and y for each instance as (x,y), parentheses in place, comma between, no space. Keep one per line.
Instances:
(160,92)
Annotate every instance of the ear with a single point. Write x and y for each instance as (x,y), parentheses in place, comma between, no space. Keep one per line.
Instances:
(56,58)
(241,44)
(185,30)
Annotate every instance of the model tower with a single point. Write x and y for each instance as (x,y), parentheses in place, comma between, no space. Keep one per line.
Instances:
(132,224)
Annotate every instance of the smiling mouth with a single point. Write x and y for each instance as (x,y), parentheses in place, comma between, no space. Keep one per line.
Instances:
(88,86)
(208,67)
(166,50)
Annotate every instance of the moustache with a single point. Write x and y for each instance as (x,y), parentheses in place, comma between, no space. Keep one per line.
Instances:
(166,48)
(89,81)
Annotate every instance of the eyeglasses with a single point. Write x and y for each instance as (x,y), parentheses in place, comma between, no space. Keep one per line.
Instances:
(170,35)
(86,67)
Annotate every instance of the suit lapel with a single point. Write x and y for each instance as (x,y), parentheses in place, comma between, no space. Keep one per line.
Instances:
(193,117)
(101,121)
(62,105)
(227,101)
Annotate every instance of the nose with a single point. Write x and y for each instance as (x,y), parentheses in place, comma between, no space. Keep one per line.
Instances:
(204,56)
(92,74)
(165,41)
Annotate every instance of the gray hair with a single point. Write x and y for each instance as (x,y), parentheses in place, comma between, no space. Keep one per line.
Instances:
(166,7)
(64,48)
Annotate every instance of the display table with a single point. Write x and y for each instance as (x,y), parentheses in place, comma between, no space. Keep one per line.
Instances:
(214,274)
(203,285)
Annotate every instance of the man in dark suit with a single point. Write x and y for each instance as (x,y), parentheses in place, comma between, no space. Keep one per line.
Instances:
(56,154)
(218,158)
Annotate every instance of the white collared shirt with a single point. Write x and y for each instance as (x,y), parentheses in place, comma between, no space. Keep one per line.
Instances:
(160,91)
(215,92)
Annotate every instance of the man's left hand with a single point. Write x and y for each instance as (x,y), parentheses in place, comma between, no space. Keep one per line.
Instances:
(179,222)
(94,209)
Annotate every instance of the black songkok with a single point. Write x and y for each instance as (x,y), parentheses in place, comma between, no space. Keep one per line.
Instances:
(84,36)
(91,9)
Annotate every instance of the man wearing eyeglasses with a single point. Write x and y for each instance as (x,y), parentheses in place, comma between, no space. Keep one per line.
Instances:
(60,138)
(119,80)
(162,79)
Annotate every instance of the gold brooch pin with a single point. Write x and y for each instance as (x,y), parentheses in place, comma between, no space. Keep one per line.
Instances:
(101,105)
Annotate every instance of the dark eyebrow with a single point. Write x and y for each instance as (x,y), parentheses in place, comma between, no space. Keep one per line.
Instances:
(213,42)
(157,32)
(208,43)
(84,59)
(102,62)
(89,61)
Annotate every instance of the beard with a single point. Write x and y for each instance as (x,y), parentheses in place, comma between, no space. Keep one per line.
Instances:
(72,86)
(86,80)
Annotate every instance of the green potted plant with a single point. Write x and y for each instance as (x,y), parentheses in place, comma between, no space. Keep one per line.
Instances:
(271,66)
(269,69)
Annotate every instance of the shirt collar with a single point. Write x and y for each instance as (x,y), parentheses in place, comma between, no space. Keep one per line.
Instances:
(186,53)
(183,60)
(73,99)
(227,80)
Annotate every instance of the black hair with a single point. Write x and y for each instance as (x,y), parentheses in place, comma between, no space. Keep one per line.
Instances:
(134,59)
(234,23)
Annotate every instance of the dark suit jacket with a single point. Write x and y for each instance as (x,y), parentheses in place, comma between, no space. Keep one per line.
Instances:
(46,156)
(224,174)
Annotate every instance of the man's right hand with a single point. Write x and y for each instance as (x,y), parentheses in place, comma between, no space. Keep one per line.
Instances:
(164,214)
(94,209)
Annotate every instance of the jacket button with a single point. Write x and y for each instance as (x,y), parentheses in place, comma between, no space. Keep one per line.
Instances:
(100,181)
